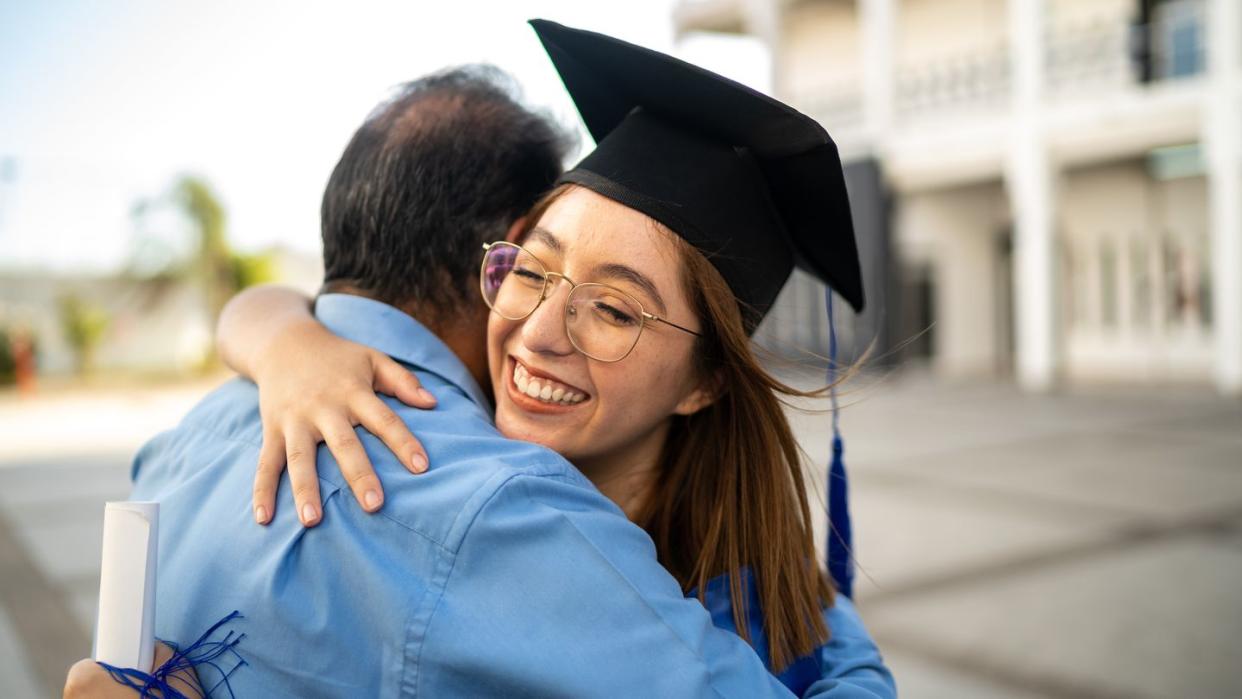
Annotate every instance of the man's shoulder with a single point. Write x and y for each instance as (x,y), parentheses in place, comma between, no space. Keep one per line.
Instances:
(231,410)
(228,416)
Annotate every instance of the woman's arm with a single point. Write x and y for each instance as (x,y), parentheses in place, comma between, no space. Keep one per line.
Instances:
(850,663)
(315,387)
(253,319)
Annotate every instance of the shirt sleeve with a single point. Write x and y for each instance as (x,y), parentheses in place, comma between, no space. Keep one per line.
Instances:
(553,592)
(850,663)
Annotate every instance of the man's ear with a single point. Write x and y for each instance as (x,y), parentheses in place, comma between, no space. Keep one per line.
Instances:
(707,392)
(516,229)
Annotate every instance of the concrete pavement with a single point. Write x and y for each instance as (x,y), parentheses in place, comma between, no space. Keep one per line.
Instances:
(1083,544)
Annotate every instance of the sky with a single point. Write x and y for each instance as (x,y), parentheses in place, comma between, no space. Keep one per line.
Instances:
(104,104)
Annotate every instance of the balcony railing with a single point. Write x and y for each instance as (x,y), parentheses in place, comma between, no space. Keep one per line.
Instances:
(1089,56)
(1119,53)
(971,80)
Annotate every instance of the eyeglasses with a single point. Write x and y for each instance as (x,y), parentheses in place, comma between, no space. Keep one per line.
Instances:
(601,321)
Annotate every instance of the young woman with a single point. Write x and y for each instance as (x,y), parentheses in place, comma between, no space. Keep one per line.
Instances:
(619,337)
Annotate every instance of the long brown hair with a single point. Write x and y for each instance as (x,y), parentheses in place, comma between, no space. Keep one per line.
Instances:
(729,491)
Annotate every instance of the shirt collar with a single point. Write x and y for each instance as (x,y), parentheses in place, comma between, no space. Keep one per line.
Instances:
(396,334)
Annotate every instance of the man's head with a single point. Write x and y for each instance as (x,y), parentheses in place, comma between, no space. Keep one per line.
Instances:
(446,164)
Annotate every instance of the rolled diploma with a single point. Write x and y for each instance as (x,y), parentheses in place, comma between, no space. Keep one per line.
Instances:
(125,632)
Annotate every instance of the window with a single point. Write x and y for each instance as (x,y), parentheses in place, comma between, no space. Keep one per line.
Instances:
(1177,35)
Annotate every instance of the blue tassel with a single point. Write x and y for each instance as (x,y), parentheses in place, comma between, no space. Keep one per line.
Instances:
(200,652)
(840,536)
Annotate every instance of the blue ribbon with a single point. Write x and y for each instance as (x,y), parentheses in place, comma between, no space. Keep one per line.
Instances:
(200,652)
(840,535)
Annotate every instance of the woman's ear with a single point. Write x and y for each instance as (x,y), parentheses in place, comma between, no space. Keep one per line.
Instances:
(707,392)
(516,230)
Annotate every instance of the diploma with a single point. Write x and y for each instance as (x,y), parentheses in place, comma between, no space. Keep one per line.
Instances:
(125,631)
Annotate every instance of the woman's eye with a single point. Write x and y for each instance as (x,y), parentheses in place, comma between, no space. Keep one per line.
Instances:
(528,275)
(613,314)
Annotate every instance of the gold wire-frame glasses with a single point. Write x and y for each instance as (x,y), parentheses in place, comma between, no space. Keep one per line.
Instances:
(601,321)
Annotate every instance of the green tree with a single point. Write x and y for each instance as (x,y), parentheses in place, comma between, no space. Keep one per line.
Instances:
(84,325)
(213,260)
(249,270)
(211,263)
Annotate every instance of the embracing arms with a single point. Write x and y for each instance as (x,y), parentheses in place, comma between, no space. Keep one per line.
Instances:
(315,387)
(575,556)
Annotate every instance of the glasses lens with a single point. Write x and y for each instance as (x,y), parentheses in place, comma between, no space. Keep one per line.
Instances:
(603,322)
(512,281)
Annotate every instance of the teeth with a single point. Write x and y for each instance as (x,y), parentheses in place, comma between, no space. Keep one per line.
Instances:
(543,389)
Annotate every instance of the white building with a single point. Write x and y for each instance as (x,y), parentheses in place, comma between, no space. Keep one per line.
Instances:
(1058,183)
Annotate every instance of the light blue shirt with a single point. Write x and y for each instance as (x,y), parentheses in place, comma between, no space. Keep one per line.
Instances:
(500,571)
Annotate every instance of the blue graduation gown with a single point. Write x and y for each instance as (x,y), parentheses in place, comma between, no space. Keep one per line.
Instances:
(848,665)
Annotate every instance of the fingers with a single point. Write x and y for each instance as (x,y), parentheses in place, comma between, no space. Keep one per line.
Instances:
(395,380)
(382,422)
(82,679)
(300,452)
(271,463)
(355,466)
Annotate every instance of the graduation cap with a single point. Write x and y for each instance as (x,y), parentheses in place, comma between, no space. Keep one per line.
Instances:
(750,182)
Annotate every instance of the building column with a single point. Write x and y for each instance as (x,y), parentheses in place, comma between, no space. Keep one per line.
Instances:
(1030,180)
(1222,139)
(762,19)
(878,25)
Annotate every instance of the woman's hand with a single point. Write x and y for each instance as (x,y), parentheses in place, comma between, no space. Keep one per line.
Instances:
(316,387)
(87,679)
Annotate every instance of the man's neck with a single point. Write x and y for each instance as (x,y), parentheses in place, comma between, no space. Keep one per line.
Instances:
(468,340)
(465,335)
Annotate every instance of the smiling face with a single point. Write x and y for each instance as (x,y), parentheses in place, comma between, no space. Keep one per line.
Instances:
(604,417)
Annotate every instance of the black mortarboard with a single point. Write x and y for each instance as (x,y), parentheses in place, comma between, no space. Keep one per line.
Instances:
(752,183)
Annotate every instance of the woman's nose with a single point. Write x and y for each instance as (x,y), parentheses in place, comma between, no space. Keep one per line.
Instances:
(544,330)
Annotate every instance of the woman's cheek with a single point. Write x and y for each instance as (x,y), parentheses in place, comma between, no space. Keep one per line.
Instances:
(497,331)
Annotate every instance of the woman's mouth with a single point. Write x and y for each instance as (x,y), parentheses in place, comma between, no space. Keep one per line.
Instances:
(540,390)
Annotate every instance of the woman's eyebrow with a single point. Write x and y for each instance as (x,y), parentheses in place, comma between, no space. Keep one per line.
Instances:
(629,274)
(612,270)
(545,236)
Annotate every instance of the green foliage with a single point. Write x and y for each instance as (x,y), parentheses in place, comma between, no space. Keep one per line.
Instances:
(200,203)
(249,270)
(84,325)
(10,338)
(214,261)
(209,262)
(8,364)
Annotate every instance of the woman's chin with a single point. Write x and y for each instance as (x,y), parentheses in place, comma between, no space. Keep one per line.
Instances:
(525,434)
